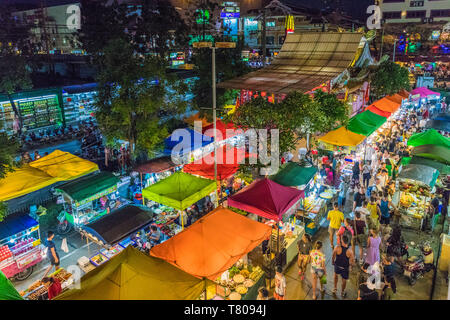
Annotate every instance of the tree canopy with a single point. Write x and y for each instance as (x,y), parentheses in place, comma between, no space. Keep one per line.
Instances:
(388,79)
(135,97)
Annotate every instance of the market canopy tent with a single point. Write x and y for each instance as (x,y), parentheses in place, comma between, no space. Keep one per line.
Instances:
(133,275)
(266,198)
(213,243)
(404,94)
(292,174)
(422,92)
(440,125)
(196,117)
(15,223)
(118,224)
(156,165)
(43,173)
(419,173)
(386,104)
(430,136)
(438,153)
(180,190)
(342,137)
(379,112)
(305,61)
(442,168)
(221,128)
(7,290)
(365,123)
(185,140)
(395,98)
(228,160)
(91,186)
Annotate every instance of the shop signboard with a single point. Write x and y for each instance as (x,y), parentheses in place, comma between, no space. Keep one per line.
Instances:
(97,196)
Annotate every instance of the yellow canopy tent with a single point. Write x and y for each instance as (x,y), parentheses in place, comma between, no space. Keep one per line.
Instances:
(133,275)
(57,166)
(342,137)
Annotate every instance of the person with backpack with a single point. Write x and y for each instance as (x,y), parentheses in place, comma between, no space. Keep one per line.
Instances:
(342,260)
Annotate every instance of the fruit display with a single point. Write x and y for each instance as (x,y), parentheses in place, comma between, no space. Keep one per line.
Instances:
(249,283)
(235,296)
(238,281)
(241,289)
(38,288)
(5,253)
(239,278)
(406,200)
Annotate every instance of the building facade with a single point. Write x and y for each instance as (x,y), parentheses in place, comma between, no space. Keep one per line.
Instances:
(415,11)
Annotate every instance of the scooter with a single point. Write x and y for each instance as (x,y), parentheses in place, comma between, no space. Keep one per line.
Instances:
(416,266)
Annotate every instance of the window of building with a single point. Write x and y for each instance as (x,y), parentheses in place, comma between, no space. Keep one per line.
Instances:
(416,3)
(439,13)
(416,14)
(281,40)
(270,40)
(392,15)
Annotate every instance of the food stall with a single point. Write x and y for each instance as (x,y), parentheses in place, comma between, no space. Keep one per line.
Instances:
(87,199)
(20,246)
(225,238)
(39,290)
(416,185)
(179,191)
(115,231)
(270,200)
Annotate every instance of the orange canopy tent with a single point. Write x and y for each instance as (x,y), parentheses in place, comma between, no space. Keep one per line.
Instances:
(396,98)
(379,112)
(196,117)
(404,94)
(213,243)
(228,160)
(386,104)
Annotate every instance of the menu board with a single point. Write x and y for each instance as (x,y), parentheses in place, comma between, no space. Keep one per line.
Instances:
(40,111)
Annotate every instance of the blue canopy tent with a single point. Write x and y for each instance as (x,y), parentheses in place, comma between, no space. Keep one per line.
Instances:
(16,223)
(186,140)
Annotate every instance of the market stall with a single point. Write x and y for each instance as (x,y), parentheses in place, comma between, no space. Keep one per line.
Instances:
(133,275)
(20,246)
(186,145)
(225,237)
(424,93)
(89,198)
(431,136)
(416,184)
(441,125)
(365,123)
(429,151)
(179,191)
(341,137)
(270,200)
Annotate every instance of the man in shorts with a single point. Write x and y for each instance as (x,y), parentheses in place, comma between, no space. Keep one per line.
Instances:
(336,218)
(52,254)
(342,260)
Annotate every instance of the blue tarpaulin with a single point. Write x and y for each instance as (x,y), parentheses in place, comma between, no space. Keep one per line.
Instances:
(16,223)
(186,140)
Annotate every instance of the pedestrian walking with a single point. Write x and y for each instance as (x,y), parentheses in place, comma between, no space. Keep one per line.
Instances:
(373,247)
(360,236)
(342,260)
(304,246)
(384,210)
(318,269)
(52,254)
(358,198)
(343,189)
(280,284)
(366,174)
(335,217)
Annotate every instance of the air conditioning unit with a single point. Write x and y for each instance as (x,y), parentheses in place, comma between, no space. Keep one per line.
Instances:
(430,20)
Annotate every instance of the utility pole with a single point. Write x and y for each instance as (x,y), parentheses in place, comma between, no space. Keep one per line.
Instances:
(393,55)
(263,37)
(382,39)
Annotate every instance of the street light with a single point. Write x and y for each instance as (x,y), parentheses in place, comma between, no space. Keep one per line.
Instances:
(224,45)
(393,56)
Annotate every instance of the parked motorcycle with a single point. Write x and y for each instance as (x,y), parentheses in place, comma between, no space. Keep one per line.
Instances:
(416,266)
(64,227)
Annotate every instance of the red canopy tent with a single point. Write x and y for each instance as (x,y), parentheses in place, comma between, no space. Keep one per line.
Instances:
(221,130)
(266,198)
(228,160)
(379,112)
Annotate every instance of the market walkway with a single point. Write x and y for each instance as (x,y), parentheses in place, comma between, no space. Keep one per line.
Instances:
(302,290)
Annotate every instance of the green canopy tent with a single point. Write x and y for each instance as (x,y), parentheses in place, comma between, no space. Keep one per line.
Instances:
(365,123)
(292,174)
(442,168)
(133,275)
(7,290)
(430,136)
(419,173)
(430,151)
(180,190)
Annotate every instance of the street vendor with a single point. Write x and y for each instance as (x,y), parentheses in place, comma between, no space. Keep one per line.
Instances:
(55,287)
(155,235)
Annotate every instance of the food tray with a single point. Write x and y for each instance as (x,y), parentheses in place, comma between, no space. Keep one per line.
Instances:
(98,259)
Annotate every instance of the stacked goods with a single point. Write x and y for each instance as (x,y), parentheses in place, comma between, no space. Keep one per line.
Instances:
(423,191)
(22,246)
(5,253)
(39,289)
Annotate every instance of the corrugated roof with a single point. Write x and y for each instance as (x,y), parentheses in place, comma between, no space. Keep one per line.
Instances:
(305,61)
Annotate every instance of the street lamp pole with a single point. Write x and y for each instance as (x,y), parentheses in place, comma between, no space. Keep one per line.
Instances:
(393,55)
(214,108)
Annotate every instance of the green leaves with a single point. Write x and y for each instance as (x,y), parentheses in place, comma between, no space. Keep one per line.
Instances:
(8,150)
(135,97)
(389,79)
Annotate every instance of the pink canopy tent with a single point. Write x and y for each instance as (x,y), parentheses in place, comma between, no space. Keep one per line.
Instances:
(423,92)
(266,198)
